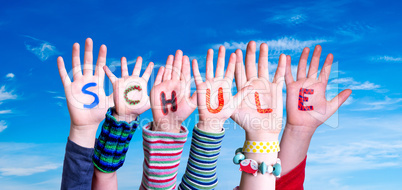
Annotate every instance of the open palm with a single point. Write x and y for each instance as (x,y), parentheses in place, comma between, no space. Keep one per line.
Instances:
(86,99)
(315,110)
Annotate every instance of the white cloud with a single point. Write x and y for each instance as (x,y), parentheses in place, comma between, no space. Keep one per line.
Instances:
(3,125)
(354,30)
(247,32)
(60,97)
(276,46)
(28,171)
(10,75)
(386,104)
(6,95)
(387,58)
(5,111)
(293,19)
(42,49)
(350,83)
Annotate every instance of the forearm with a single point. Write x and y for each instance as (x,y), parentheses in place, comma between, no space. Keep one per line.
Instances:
(162,153)
(111,149)
(83,136)
(202,162)
(106,181)
(294,146)
(262,181)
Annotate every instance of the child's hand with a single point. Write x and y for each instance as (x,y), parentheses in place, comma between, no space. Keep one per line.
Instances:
(260,114)
(309,114)
(170,100)
(86,99)
(214,96)
(130,92)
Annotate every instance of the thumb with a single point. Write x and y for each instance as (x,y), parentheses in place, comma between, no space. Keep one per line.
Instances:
(336,102)
(238,98)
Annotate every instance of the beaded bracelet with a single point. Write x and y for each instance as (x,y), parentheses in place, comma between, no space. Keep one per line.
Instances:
(251,166)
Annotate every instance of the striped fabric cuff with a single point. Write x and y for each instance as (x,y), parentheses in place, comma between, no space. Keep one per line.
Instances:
(201,166)
(113,142)
(162,153)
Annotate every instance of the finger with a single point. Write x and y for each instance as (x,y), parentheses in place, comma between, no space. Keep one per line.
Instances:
(263,71)
(336,102)
(168,71)
(101,62)
(88,57)
(124,69)
(138,66)
(238,98)
(240,73)
(220,65)
(315,62)
(158,78)
(251,71)
(209,75)
(288,74)
(196,73)
(186,73)
(148,71)
(109,74)
(231,67)
(63,73)
(326,69)
(178,61)
(76,61)
(301,69)
(280,71)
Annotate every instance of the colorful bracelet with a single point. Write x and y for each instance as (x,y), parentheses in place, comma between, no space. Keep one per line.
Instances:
(251,166)
(261,146)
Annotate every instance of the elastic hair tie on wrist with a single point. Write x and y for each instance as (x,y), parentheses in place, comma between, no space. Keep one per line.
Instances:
(261,146)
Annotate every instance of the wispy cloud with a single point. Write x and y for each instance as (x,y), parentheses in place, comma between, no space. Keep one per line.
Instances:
(386,104)
(354,30)
(6,95)
(42,49)
(350,83)
(292,18)
(248,32)
(387,58)
(276,46)
(10,75)
(3,125)
(28,171)
(60,97)
(5,111)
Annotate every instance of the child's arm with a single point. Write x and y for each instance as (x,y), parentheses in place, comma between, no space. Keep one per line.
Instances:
(260,114)
(131,99)
(306,106)
(87,105)
(213,111)
(164,138)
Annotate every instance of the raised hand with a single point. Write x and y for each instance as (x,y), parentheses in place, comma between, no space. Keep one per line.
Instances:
(260,114)
(130,92)
(306,105)
(86,99)
(171,100)
(214,96)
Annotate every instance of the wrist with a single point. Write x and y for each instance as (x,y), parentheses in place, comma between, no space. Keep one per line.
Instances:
(166,126)
(83,135)
(299,132)
(261,136)
(123,117)
(211,125)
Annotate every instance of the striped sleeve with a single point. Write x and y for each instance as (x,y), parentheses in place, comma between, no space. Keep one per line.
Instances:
(201,166)
(162,153)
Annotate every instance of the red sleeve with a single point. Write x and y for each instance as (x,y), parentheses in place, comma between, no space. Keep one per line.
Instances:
(294,179)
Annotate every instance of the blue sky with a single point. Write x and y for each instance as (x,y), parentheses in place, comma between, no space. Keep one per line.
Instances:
(359,148)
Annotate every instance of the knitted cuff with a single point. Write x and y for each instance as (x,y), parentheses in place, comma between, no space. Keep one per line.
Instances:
(201,166)
(112,144)
(162,152)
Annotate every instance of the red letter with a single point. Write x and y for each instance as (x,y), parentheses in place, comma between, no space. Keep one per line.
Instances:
(220,99)
(303,99)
